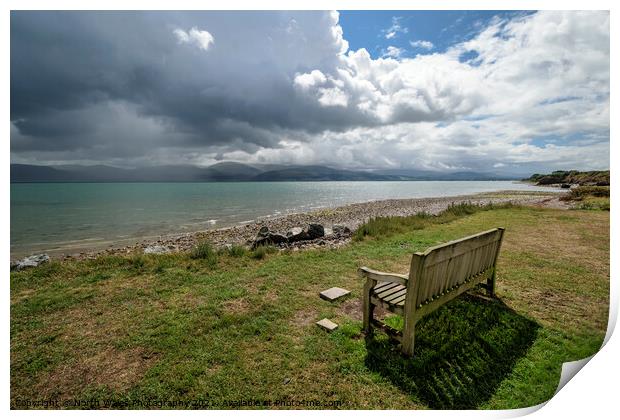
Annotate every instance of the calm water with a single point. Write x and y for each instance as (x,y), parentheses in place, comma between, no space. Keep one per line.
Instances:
(58,216)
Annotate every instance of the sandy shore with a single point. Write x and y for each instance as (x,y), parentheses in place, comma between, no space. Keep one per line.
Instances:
(351,216)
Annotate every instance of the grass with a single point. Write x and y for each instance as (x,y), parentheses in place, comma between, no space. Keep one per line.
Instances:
(589,198)
(236,251)
(156,329)
(579,193)
(594,203)
(384,226)
(262,251)
(205,251)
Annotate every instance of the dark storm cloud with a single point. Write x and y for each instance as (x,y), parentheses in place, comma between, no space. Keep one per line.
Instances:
(67,61)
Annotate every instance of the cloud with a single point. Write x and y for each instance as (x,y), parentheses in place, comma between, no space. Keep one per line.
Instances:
(392,51)
(309,80)
(333,97)
(427,45)
(396,28)
(202,39)
(528,93)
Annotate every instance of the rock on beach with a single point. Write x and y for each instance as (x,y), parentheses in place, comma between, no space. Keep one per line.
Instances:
(156,249)
(31,261)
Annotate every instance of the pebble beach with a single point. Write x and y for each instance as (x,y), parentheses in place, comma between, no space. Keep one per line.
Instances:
(351,216)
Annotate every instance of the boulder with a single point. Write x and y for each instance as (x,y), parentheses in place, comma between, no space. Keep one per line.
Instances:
(263,233)
(341,230)
(315,231)
(156,249)
(276,238)
(297,234)
(31,261)
(265,237)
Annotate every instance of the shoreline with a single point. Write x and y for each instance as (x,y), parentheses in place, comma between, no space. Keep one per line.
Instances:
(350,215)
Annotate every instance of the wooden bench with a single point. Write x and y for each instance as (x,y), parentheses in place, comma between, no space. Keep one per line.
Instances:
(437,276)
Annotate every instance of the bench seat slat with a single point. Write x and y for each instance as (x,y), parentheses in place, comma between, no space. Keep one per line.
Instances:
(391,296)
(387,289)
(400,300)
(383,287)
(389,292)
(396,296)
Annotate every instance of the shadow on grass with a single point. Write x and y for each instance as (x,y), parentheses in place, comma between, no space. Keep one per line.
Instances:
(462,353)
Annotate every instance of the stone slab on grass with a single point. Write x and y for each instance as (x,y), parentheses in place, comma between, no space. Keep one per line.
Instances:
(334,293)
(327,325)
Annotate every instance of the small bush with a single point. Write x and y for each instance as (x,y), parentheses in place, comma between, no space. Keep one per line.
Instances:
(593,203)
(260,252)
(236,251)
(579,193)
(138,262)
(160,267)
(381,226)
(204,251)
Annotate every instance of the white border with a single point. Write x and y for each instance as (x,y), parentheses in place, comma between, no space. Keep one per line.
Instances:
(591,393)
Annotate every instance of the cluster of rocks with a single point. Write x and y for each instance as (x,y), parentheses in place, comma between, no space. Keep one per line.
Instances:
(297,235)
(28,262)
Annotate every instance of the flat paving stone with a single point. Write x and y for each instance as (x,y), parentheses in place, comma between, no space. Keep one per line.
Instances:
(334,293)
(327,325)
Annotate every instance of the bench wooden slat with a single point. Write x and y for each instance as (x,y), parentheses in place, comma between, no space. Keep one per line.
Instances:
(383,287)
(394,297)
(388,292)
(400,300)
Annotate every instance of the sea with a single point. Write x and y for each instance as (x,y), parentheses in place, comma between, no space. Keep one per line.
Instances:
(52,217)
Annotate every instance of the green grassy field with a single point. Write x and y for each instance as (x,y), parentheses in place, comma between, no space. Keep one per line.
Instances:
(240,326)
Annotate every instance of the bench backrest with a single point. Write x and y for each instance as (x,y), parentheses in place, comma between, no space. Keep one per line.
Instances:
(441,269)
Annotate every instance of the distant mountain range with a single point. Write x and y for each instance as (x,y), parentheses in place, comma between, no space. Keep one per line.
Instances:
(228,172)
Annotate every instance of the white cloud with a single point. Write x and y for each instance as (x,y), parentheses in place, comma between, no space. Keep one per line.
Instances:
(181,35)
(392,51)
(395,29)
(201,39)
(308,80)
(427,45)
(333,97)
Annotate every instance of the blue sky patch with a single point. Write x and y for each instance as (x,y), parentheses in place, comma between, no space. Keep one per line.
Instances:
(416,32)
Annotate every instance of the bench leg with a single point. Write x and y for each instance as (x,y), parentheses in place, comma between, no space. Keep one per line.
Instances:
(408,339)
(491,285)
(368,307)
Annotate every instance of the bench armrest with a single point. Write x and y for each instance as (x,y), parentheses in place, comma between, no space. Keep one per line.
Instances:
(381,276)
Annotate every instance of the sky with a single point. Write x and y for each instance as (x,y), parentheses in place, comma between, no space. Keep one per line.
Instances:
(503,92)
